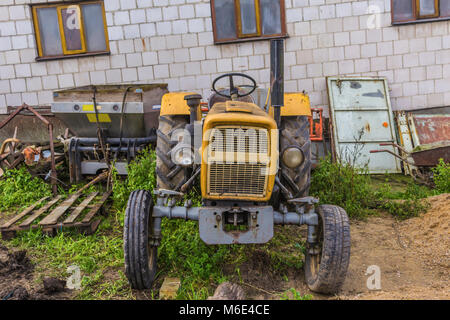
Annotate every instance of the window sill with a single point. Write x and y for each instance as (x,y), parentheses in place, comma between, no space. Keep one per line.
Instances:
(81,55)
(419,21)
(251,39)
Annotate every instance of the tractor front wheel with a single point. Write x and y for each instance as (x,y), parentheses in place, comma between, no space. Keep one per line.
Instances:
(327,261)
(140,255)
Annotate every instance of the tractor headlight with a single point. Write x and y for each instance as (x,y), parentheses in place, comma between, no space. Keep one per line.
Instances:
(293,157)
(182,155)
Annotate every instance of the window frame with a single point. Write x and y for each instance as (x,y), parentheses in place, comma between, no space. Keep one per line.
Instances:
(252,37)
(68,53)
(416,14)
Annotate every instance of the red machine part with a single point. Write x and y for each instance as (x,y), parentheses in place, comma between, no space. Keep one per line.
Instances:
(316,124)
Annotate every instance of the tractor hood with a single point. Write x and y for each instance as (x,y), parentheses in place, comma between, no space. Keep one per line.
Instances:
(238,111)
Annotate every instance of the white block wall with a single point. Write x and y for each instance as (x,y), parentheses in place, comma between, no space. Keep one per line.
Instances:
(171,41)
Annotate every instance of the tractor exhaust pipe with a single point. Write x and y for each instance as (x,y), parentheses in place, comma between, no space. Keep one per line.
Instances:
(277,77)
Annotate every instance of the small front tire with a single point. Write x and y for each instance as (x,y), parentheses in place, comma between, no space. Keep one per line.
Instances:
(140,255)
(326,268)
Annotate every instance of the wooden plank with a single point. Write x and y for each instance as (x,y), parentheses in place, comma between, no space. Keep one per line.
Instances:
(22,214)
(39,212)
(53,217)
(77,211)
(97,207)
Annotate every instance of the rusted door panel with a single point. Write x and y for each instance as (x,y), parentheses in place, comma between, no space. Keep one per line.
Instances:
(432,128)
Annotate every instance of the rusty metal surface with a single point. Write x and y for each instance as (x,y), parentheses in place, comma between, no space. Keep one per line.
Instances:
(430,157)
(430,128)
(361,116)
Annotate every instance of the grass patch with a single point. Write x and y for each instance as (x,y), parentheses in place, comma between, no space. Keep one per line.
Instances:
(357,192)
(18,188)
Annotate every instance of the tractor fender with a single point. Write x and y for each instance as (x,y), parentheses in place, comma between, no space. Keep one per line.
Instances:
(295,104)
(173,103)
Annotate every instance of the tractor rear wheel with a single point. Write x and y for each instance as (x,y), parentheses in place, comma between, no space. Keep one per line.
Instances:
(295,133)
(327,262)
(169,175)
(140,255)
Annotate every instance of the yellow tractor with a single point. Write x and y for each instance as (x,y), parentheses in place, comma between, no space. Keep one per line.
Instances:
(254,167)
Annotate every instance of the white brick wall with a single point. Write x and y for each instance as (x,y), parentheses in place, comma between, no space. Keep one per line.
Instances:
(172,41)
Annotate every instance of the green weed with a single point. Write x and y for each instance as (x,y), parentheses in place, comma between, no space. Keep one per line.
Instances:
(342,185)
(441,176)
(293,294)
(18,188)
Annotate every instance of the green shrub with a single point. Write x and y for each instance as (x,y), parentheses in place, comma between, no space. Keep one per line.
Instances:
(441,176)
(343,185)
(18,188)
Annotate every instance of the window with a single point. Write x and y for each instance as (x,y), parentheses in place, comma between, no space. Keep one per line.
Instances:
(407,11)
(243,20)
(70,29)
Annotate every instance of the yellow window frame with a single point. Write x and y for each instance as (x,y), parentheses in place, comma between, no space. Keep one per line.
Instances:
(59,7)
(239,20)
(63,35)
(436,9)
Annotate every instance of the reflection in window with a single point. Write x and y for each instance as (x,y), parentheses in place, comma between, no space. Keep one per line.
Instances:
(237,20)
(65,29)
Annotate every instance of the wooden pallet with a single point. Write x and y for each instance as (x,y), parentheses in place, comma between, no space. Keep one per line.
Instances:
(53,221)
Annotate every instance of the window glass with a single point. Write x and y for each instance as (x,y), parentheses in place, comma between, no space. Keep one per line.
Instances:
(445,8)
(70,18)
(49,31)
(225,19)
(270,16)
(248,17)
(94,28)
(426,8)
(402,10)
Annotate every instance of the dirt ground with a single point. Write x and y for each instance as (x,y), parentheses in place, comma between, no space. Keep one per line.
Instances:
(413,257)
(17,279)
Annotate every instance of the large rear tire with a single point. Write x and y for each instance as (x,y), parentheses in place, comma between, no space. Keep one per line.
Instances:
(169,175)
(140,256)
(325,269)
(295,132)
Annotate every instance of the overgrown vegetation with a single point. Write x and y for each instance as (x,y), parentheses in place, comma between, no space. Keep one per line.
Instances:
(353,189)
(441,176)
(343,185)
(18,188)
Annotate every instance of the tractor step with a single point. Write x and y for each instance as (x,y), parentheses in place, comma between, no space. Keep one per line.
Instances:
(57,219)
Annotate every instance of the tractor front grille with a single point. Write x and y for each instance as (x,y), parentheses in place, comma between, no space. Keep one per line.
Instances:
(238,162)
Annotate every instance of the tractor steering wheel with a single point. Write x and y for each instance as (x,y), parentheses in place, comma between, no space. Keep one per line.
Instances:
(234,90)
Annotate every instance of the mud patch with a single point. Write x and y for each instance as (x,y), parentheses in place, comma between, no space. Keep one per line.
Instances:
(17,281)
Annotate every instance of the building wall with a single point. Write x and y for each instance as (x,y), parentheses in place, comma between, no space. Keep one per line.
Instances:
(172,41)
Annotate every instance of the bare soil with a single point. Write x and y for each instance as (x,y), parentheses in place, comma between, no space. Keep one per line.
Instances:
(17,281)
(413,257)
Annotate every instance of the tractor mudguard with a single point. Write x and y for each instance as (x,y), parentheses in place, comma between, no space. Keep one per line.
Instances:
(295,104)
(173,103)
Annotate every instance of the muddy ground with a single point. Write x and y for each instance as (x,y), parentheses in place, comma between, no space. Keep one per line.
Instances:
(413,257)
(17,279)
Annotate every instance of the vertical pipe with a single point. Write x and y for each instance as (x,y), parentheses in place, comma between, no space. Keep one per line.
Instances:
(277,77)
(53,164)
